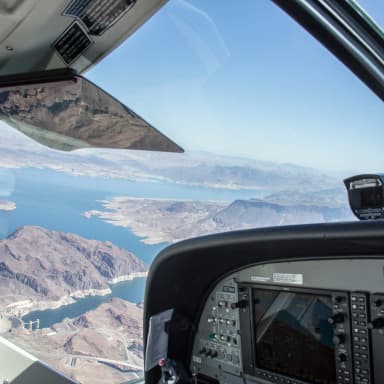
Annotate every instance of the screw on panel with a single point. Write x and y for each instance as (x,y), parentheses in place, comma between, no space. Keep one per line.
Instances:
(8,48)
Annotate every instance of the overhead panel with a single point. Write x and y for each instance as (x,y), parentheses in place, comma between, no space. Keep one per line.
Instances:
(9,6)
(39,35)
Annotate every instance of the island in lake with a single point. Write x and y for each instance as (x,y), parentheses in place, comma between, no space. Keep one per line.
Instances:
(6,205)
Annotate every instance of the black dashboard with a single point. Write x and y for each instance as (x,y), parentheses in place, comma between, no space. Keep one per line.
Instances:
(289,305)
(304,322)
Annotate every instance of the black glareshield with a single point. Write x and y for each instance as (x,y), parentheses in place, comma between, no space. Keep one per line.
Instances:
(366,196)
(209,259)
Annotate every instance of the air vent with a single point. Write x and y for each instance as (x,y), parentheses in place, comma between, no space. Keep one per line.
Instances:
(98,15)
(72,43)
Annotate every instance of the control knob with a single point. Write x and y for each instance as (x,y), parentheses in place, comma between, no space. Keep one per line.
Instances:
(338,318)
(339,299)
(378,323)
(378,302)
(339,339)
(342,357)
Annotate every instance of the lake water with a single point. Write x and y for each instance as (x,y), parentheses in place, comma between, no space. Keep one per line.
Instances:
(57,201)
(132,291)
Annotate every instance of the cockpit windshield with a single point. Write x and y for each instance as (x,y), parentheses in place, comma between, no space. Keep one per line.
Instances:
(271,124)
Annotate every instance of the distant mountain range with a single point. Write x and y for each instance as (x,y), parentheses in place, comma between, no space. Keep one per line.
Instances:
(44,265)
(196,168)
(242,214)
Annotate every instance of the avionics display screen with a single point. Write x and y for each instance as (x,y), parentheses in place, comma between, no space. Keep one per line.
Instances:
(372,197)
(293,336)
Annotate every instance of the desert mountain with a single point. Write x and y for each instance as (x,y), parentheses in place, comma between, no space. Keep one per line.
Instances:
(39,263)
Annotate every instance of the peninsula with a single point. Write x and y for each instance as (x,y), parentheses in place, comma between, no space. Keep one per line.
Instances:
(162,220)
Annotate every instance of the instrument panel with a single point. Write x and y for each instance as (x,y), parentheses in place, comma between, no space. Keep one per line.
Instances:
(299,322)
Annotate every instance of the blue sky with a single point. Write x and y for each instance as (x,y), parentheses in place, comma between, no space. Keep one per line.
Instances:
(242,78)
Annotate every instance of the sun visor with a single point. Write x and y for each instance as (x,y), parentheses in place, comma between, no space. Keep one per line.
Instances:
(62,110)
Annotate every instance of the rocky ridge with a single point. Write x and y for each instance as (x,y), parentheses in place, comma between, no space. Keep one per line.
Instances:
(43,265)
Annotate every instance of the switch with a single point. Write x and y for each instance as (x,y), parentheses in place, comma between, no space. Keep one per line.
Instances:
(212,336)
(239,304)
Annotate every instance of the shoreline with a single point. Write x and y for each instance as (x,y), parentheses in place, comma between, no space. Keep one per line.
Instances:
(113,212)
(129,277)
(28,306)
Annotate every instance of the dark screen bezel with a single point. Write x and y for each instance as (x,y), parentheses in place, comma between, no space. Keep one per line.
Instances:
(248,327)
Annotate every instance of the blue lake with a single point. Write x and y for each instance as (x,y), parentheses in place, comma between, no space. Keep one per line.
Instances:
(57,201)
(132,291)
